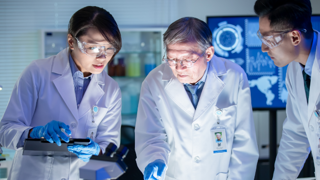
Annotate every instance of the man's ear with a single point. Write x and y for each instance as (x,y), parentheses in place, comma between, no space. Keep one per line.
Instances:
(71,42)
(209,53)
(295,37)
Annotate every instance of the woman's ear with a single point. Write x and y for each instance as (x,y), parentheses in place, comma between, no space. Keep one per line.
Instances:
(71,42)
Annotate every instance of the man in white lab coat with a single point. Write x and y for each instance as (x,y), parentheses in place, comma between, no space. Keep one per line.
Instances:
(286,32)
(184,102)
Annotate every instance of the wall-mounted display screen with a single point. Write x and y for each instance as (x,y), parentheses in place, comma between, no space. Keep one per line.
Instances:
(235,38)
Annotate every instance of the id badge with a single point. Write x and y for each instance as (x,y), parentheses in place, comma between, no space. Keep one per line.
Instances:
(92,133)
(219,136)
(219,139)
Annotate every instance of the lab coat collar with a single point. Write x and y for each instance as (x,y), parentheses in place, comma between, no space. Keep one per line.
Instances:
(92,95)
(311,57)
(299,87)
(213,86)
(61,64)
(315,83)
(175,90)
(317,56)
(218,67)
(64,83)
(167,73)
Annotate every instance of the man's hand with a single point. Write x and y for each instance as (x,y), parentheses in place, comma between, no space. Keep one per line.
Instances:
(155,170)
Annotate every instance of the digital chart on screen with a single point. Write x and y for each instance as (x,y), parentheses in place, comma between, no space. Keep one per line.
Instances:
(235,38)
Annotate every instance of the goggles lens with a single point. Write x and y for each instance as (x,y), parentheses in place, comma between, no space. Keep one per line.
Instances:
(95,49)
(183,63)
(271,41)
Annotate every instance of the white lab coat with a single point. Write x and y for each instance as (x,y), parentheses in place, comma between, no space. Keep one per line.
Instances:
(169,128)
(45,92)
(300,128)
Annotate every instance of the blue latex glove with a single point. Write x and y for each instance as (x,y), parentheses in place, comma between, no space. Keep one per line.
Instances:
(51,131)
(85,152)
(155,170)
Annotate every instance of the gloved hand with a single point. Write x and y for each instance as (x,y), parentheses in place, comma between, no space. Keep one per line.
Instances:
(51,131)
(155,170)
(85,152)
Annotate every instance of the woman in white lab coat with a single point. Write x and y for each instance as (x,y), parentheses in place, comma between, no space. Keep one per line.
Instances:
(69,91)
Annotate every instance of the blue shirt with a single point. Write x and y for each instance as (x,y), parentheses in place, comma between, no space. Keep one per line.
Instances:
(201,84)
(80,83)
(312,55)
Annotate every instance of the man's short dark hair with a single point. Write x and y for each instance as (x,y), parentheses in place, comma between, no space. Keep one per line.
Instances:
(286,14)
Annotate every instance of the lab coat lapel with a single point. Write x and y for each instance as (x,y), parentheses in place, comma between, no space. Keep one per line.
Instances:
(92,95)
(301,93)
(176,92)
(315,83)
(212,88)
(64,83)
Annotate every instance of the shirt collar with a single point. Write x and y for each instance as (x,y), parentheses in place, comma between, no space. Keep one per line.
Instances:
(310,60)
(74,69)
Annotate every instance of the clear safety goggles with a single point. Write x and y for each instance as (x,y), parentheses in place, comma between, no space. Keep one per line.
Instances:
(272,41)
(95,50)
(275,39)
(184,63)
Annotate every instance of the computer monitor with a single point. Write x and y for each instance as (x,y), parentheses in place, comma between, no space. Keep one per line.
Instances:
(235,38)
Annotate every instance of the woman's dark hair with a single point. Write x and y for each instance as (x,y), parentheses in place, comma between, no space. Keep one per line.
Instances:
(95,17)
(286,14)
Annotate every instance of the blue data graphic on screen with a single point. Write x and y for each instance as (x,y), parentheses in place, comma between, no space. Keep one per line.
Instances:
(235,39)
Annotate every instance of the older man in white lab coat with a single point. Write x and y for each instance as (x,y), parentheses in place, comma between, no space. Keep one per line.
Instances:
(287,35)
(185,102)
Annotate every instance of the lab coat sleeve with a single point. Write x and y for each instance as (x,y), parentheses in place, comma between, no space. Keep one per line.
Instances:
(24,136)
(150,135)
(244,155)
(18,115)
(294,145)
(109,128)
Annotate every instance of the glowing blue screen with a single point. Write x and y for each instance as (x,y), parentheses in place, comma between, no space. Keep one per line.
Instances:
(235,39)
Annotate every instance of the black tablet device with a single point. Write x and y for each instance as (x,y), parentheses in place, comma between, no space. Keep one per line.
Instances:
(41,147)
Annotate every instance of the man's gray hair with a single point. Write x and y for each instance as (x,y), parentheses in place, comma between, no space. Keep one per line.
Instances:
(188,29)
